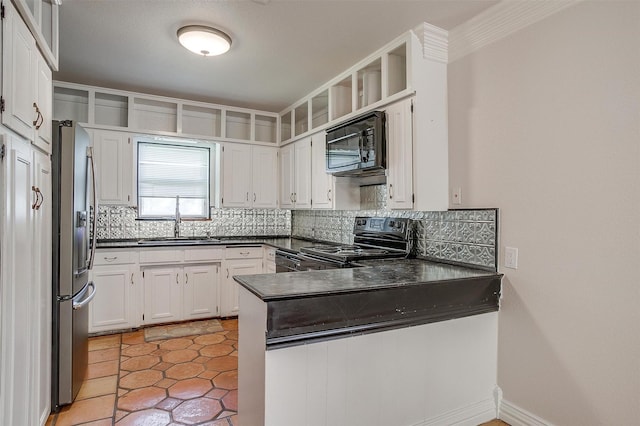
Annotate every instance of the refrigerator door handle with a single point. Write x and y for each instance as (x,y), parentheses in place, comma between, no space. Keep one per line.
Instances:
(85,302)
(94,225)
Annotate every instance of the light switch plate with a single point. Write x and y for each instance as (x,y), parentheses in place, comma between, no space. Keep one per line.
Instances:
(511,257)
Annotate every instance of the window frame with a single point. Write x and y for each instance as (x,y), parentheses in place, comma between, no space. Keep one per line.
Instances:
(211,181)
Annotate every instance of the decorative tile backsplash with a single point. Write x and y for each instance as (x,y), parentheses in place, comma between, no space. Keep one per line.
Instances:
(467,237)
(459,236)
(119,222)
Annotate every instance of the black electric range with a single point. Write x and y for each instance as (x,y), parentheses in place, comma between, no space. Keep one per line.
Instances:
(373,237)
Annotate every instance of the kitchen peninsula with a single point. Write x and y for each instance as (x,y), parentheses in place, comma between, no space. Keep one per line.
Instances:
(400,342)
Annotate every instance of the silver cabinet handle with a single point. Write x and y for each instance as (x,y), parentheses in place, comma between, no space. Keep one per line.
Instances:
(329,195)
(254,197)
(186,278)
(291,197)
(132,278)
(244,253)
(110,259)
(295,197)
(247,196)
(390,190)
(227,273)
(177,282)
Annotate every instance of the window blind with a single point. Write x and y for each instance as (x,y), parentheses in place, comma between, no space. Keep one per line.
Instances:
(165,171)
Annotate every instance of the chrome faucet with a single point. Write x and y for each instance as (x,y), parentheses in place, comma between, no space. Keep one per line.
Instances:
(176,226)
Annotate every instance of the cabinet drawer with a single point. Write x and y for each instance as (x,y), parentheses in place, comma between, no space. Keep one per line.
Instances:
(161,256)
(243,252)
(114,257)
(203,254)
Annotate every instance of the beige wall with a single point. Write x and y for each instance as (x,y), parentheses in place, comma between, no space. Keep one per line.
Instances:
(545,125)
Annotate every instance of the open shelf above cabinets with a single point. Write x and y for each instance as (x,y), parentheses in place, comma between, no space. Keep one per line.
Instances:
(379,79)
(111,109)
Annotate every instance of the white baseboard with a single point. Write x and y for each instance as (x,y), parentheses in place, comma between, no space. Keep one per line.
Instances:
(471,415)
(516,416)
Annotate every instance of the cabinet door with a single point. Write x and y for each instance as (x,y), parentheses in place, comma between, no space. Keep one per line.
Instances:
(114,305)
(229,290)
(265,177)
(42,289)
(287,178)
(399,155)
(45,105)
(18,285)
(201,291)
(302,196)
(114,167)
(162,295)
(19,69)
(321,192)
(236,177)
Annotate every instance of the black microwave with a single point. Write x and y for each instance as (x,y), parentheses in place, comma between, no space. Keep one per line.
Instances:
(358,146)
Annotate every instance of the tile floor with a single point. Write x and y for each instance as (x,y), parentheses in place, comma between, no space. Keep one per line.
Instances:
(182,381)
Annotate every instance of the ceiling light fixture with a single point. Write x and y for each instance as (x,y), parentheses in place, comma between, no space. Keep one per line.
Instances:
(203,40)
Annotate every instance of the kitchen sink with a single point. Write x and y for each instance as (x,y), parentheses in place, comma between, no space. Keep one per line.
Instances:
(177,241)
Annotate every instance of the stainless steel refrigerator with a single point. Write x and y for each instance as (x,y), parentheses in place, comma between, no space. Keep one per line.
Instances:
(74,237)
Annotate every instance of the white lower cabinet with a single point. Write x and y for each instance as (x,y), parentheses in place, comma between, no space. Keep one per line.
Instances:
(115,304)
(239,261)
(173,293)
(162,294)
(159,285)
(269,261)
(200,293)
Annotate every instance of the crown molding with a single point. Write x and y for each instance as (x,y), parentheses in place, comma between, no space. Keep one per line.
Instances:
(434,41)
(500,21)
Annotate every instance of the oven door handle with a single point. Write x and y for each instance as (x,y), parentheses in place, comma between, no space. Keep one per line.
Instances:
(302,256)
(343,138)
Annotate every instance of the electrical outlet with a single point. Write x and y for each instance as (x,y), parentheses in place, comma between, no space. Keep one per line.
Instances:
(456,195)
(511,257)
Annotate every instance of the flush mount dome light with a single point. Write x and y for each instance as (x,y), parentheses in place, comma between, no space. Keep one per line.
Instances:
(205,41)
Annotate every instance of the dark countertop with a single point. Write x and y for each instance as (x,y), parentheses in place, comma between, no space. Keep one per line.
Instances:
(285,243)
(313,306)
(382,274)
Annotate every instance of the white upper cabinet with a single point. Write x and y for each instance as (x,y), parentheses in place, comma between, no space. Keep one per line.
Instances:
(328,191)
(103,108)
(113,155)
(287,177)
(265,177)
(236,175)
(412,66)
(399,156)
(295,175)
(26,83)
(302,194)
(379,79)
(41,16)
(249,176)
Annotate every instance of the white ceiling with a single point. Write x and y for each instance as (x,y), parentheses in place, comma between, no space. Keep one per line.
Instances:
(282,49)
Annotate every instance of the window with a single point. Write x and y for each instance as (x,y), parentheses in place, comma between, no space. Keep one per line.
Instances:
(166,171)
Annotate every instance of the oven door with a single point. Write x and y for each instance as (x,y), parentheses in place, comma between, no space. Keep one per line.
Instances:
(286,262)
(344,148)
(312,263)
